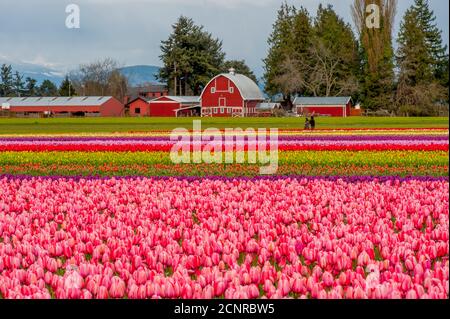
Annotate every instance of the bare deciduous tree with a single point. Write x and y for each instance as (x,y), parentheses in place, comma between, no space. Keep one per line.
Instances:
(99,79)
(419,100)
(324,74)
(321,75)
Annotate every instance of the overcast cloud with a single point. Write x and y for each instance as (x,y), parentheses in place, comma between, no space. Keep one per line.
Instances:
(131,30)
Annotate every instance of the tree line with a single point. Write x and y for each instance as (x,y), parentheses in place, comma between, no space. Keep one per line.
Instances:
(100,78)
(13,84)
(324,56)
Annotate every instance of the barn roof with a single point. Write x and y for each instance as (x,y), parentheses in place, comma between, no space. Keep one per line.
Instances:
(55,101)
(267,106)
(145,99)
(134,92)
(337,100)
(184,99)
(248,88)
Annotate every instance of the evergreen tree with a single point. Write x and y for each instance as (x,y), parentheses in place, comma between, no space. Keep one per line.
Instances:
(443,73)
(191,57)
(280,49)
(240,67)
(30,87)
(6,76)
(334,64)
(48,88)
(414,58)
(289,49)
(18,85)
(421,87)
(302,35)
(66,88)
(426,20)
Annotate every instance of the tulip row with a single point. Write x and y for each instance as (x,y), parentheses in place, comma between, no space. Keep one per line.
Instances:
(37,169)
(285,143)
(167,147)
(291,142)
(149,139)
(282,132)
(224,238)
(313,158)
(290,163)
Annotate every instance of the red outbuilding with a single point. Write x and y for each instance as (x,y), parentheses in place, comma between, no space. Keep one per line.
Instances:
(149,91)
(231,95)
(324,106)
(175,106)
(89,106)
(139,107)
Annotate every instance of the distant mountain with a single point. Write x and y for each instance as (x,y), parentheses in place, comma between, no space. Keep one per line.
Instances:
(141,74)
(35,71)
(137,75)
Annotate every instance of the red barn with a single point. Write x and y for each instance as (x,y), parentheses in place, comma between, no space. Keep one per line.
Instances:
(324,106)
(139,107)
(149,91)
(231,95)
(89,106)
(174,106)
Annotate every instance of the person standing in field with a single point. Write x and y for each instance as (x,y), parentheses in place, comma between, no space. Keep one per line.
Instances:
(312,123)
(307,124)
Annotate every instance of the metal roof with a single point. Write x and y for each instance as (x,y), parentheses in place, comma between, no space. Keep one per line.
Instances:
(248,88)
(266,106)
(55,101)
(184,99)
(337,100)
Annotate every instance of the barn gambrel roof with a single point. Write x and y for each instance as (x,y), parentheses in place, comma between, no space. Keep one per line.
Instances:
(247,87)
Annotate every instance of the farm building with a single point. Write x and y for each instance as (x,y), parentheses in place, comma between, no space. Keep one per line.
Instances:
(324,106)
(174,106)
(139,107)
(267,109)
(165,106)
(230,95)
(91,106)
(150,91)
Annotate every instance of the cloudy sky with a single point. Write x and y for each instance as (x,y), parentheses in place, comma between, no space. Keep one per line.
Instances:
(131,30)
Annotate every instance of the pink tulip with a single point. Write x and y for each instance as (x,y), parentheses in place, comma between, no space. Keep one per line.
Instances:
(102,293)
(328,279)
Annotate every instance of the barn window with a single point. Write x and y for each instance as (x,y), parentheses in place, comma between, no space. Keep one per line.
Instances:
(231,89)
(215,110)
(222,110)
(137,110)
(213,90)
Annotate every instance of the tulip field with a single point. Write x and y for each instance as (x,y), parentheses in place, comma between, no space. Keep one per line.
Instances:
(350,214)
